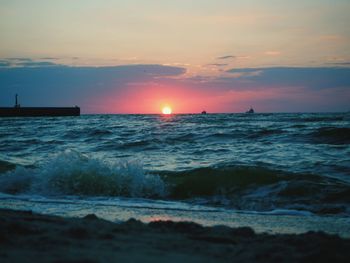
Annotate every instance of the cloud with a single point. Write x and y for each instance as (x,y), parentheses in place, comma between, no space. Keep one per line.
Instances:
(58,85)
(310,77)
(20,59)
(278,89)
(333,38)
(217,64)
(36,64)
(25,62)
(226,57)
(272,53)
(4,64)
(347,63)
(49,58)
(135,88)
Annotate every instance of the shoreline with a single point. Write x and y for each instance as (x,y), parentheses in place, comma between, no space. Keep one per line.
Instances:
(30,237)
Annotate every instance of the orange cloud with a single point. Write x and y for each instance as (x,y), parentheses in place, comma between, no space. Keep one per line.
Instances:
(273,53)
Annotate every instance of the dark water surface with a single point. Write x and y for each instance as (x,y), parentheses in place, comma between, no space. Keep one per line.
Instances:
(295,164)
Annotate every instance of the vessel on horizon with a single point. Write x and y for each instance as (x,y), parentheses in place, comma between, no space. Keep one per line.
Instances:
(251,110)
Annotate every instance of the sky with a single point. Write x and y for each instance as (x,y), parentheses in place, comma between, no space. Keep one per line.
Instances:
(137,56)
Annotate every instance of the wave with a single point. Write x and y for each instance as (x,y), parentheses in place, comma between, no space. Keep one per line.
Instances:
(187,137)
(234,187)
(246,134)
(71,173)
(90,132)
(323,119)
(212,181)
(6,166)
(137,143)
(265,132)
(318,118)
(332,135)
(259,189)
(99,132)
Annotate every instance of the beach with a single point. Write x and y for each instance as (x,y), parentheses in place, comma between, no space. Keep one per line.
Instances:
(30,237)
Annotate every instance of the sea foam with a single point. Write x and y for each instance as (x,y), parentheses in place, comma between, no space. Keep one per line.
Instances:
(73,173)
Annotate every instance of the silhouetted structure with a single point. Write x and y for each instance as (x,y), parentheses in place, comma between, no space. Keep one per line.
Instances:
(16,104)
(204,112)
(18,111)
(251,110)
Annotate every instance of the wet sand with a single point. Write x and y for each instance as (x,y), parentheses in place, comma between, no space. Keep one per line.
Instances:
(29,237)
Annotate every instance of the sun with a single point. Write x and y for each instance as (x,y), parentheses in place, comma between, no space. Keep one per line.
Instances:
(167,110)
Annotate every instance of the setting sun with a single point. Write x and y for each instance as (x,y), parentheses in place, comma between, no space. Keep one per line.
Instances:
(167,110)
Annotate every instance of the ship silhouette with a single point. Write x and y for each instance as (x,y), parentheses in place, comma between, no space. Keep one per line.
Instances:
(251,110)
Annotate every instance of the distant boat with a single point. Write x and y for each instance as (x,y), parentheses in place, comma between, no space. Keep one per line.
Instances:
(18,111)
(251,110)
(204,112)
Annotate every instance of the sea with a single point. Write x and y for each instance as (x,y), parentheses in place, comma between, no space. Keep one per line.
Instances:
(275,173)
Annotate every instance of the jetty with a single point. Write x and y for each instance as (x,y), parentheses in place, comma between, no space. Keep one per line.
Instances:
(18,111)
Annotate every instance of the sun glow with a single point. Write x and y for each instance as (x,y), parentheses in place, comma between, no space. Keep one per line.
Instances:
(167,110)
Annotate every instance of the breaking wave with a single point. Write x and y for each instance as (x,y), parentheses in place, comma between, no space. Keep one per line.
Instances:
(238,187)
(72,173)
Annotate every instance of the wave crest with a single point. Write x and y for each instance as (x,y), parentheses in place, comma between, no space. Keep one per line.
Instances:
(75,174)
(333,135)
(259,189)
(240,187)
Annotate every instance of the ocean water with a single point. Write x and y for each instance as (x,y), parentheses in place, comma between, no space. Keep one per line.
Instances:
(281,173)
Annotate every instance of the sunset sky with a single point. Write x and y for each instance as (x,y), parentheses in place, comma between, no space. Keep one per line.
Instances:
(137,56)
